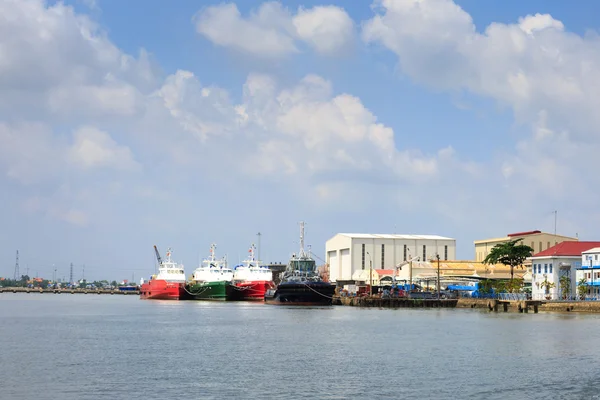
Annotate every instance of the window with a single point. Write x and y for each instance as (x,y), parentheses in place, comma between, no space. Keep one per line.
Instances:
(550,268)
(548,245)
(363,256)
(545,268)
(533,246)
(446,252)
(424,253)
(404,252)
(596,257)
(382,256)
(540,246)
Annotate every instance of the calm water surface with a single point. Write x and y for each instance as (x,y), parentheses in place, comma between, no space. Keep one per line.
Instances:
(116,347)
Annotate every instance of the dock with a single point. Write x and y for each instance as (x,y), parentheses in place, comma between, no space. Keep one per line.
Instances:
(393,302)
(68,291)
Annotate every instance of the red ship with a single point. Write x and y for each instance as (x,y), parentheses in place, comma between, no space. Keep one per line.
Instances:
(168,284)
(250,280)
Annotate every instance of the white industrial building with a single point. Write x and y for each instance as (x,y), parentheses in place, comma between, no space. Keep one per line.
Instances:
(347,253)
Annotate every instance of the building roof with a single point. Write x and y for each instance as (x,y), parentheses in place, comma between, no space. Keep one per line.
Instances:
(382,272)
(512,236)
(393,236)
(502,239)
(592,251)
(567,248)
(523,233)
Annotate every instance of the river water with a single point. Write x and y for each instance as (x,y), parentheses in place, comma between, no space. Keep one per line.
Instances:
(118,347)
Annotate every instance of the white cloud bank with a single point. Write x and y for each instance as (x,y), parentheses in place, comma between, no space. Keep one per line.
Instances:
(273,31)
(98,138)
(545,74)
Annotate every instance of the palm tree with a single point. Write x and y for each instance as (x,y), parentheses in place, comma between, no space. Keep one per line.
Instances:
(511,253)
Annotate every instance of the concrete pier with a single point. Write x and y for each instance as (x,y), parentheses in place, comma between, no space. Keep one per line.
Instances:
(495,305)
(401,302)
(68,291)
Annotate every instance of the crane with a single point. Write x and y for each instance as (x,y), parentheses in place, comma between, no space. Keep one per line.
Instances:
(402,264)
(158,256)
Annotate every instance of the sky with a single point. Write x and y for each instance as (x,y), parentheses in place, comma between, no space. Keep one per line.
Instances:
(125,125)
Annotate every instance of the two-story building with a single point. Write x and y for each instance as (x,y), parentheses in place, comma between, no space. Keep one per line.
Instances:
(588,273)
(554,271)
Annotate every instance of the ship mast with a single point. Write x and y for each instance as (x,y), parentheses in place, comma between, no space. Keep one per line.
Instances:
(302,253)
(212,252)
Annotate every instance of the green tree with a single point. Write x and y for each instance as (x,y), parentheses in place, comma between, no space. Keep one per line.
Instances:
(546,285)
(582,288)
(511,253)
(565,286)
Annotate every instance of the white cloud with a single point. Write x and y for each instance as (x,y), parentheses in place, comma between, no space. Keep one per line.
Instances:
(542,72)
(326,28)
(93,148)
(273,31)
(54,61)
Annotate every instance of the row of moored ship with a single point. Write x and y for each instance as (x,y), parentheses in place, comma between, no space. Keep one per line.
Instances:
(214,280)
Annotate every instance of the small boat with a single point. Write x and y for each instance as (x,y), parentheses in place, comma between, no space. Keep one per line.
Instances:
(301,283)
(168,284)
(211,280)
(250,280)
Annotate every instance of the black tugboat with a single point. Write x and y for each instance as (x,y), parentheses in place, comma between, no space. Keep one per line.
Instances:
(301,284)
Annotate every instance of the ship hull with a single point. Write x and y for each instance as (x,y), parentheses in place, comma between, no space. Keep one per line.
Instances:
(301,294)
(159,289)
(210,291)
(251,290)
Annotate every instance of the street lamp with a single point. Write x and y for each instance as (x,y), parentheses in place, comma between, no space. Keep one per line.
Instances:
(370,275)
(438,275)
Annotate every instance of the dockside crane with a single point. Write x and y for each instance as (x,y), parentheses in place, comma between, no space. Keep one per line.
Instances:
(157,256)
(402,264)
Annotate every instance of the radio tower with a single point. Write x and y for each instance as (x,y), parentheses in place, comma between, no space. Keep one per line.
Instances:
(71,275)
(17,276)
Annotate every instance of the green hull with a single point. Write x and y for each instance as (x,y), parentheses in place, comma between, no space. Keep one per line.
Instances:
(210,290)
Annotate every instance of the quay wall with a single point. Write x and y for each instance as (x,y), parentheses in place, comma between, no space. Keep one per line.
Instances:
(393,302)
(68,291)
(571,306)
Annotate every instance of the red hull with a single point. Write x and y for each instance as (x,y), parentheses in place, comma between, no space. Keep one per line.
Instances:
(161,290)
(253,290)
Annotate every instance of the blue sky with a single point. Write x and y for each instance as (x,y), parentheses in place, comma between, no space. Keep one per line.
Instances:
(129,124)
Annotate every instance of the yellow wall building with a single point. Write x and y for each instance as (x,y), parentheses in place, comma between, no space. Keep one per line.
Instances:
(537,240)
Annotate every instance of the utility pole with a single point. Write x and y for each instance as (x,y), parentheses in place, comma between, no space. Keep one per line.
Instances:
(17,273)
(71,275)
(438,275)
(410,275)
(370,275)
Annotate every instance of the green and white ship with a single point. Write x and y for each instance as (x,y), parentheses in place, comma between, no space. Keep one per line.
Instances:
(212,279)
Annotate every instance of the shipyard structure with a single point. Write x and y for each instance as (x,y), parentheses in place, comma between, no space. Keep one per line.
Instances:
(351,256)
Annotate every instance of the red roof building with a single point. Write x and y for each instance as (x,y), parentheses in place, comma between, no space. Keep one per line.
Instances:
(550,265)
(567,248)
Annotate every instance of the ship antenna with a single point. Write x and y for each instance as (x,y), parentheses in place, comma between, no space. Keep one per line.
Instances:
(212,251)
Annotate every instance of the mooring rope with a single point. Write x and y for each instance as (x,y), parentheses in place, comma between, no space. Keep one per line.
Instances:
(328,297)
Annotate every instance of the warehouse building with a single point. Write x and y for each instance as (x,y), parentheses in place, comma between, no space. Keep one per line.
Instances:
(537,240)
(347,253)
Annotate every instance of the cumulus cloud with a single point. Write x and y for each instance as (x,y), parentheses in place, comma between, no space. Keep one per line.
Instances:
(93,148)
(534,66)
(56,62)
(273,31)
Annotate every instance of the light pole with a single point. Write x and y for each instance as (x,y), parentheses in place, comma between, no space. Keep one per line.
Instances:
(592,271)
(438,275)
(370,275)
